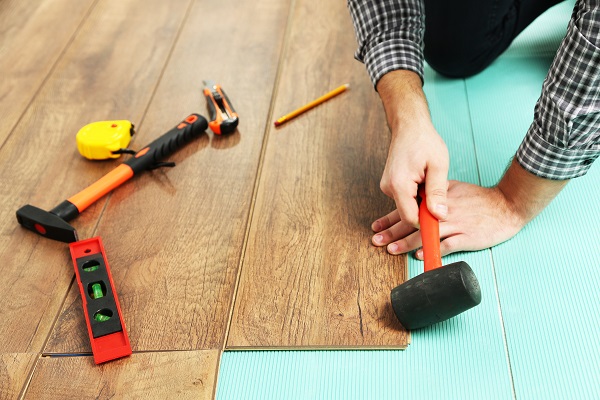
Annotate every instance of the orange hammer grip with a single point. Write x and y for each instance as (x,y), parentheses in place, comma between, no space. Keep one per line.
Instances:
(102,186)
(430,235)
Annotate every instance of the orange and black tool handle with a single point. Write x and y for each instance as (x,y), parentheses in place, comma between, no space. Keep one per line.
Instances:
(223,118)
(430,235)
(148,158)
(101,307)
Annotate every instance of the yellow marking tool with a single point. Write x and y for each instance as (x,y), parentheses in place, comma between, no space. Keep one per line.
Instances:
(104,139)
(312,104)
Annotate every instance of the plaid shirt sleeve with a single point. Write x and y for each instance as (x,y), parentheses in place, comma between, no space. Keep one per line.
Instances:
(564,138)
(389,35)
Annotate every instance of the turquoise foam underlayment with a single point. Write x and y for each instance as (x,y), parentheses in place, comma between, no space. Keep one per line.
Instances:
(545,280)
(548,277)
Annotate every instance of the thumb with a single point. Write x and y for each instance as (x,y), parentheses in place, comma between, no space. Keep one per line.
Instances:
(436,189)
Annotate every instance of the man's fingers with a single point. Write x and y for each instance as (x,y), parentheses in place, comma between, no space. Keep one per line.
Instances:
(404,194)
(408,210)
(395,232)
(436,189)
(386,221)
(449,245)
(406,244)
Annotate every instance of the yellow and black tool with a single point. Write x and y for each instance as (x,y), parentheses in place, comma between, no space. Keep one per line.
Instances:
(223,118)
(104,139)
(53,224)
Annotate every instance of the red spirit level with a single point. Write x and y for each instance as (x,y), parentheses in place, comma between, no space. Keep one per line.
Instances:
(103,317)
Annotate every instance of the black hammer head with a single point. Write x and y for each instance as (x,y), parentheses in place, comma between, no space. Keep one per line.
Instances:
(436,295)
(46,224)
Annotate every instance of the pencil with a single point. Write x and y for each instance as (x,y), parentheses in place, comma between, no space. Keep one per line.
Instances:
(312,104)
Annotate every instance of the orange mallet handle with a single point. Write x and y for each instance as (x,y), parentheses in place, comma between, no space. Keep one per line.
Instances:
(430,235)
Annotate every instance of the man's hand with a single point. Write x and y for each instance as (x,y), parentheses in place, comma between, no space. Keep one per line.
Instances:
(417,153)
(478,217)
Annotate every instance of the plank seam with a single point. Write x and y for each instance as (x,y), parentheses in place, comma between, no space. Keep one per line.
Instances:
(151,99)
(496,289)
(90,354)
(504,338)
(282,55)
(50,72)
(166,64)
(217,369)
(57,316)
(53,325)
(472,131)
(29,378)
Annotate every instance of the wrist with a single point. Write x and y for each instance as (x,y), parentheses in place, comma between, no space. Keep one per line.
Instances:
(404,101)
(527,194)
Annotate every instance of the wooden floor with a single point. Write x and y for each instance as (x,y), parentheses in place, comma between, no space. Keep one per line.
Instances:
(257,240)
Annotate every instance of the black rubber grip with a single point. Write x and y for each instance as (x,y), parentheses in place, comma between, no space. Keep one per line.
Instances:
(148,158)
(228,101)
(65,210)
(212,111)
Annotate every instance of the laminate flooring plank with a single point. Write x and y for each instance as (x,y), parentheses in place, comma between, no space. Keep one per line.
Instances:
(174,237)
(33,35)
(109,71)
(310,277)
(156,375)
(14,372)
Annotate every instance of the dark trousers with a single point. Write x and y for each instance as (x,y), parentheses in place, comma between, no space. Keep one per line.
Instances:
(462,37)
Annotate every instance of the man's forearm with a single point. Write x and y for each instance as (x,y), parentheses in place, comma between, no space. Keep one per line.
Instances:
(417,153)
(401,93)
(528,194)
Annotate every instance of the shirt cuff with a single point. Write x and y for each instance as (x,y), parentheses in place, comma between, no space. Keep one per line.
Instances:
(545,160)
(391,55)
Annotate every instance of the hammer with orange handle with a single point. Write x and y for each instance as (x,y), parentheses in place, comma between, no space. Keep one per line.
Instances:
(440,292)
(53,224)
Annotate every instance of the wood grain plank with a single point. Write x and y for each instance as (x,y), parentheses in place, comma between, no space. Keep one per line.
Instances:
(181,375)
(174,237)
(109,72)
(26,52)
(310,277)
(14,372)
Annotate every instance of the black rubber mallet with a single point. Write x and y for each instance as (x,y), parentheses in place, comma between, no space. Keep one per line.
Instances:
(53,224)
(439,293)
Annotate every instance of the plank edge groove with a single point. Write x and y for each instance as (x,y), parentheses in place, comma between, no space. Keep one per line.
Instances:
(259,168)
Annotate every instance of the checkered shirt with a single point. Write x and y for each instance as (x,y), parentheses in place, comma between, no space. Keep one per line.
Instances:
(564,139)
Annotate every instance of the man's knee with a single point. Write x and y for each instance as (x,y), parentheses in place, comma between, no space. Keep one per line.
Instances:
(454,62)
(462,39)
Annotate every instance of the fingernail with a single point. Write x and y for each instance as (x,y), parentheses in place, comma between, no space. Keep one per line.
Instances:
(393,248)
(419,254)
(442,210)
(378,238)
(376,226)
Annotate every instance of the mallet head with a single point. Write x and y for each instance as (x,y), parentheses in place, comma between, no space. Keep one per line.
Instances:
(46,224)
(436,295)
